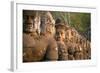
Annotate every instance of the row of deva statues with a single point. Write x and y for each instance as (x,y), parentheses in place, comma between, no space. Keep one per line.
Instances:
(47,39)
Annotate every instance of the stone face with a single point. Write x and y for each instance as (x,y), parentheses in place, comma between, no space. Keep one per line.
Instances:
(47,23)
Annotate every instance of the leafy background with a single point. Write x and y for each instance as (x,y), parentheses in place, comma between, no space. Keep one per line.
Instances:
(80,21)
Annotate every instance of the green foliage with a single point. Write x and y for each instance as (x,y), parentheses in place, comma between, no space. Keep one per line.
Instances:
(80,21)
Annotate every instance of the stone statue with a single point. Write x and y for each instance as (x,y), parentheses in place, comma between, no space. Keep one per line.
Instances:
(60,37)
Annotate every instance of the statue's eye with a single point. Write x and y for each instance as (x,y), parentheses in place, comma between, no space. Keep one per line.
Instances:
(61,33)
